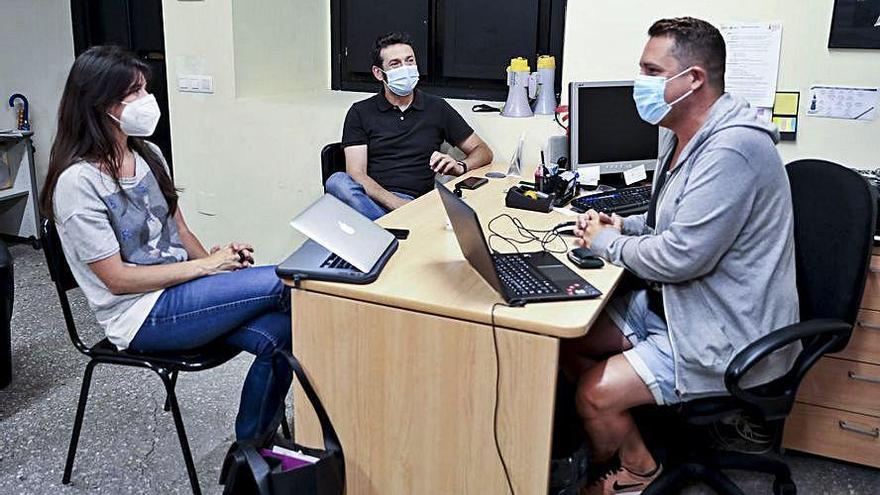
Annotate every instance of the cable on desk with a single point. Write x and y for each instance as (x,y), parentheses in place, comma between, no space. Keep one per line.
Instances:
(527,235)
(497,399)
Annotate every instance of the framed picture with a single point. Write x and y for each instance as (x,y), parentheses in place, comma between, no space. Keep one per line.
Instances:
(855,24)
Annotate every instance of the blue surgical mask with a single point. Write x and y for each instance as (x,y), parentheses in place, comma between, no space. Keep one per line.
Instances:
(402,80)
(649,93)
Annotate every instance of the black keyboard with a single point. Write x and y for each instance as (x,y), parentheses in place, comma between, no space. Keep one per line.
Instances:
(334,261)
(521,279)
(627,201)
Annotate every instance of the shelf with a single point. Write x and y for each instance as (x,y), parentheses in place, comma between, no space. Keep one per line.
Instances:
(12,193)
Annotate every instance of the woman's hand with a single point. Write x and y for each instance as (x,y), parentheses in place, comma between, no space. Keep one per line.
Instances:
(221,260)
(245,252)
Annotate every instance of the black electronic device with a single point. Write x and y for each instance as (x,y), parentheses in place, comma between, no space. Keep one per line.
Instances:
(246,255)
(399,234)
(626,201)
(471,183)
(565,228)
(520,278)
(606,129)
(585,258)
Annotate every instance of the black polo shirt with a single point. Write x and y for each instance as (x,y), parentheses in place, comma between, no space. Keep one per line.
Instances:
(400,144)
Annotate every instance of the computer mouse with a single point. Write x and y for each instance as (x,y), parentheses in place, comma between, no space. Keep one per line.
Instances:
(585,258)
(565,228)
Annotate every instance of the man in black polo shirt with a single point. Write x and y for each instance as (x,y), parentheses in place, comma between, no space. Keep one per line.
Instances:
(392,140)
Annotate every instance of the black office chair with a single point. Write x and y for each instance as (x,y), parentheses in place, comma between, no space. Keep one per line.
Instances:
(166,365)
(7,293)
(834,219)
(332,161)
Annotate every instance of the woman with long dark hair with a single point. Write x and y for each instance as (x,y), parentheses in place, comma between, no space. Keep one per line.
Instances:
(151,284)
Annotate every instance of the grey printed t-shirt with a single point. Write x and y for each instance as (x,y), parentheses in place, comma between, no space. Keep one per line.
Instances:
(96,220)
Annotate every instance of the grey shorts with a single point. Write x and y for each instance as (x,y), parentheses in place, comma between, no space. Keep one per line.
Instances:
(651,354)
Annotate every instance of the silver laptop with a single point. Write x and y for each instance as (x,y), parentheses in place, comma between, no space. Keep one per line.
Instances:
(344,232)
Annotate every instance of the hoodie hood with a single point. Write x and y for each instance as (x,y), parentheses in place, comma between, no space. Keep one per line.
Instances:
(726,113)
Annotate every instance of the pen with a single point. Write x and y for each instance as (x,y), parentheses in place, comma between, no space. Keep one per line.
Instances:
(857,117)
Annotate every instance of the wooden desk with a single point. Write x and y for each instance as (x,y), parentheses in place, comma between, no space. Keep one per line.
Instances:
(406,366)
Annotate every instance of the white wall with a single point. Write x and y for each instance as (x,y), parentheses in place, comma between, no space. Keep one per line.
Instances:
(620,28)
(37,41)
(249,164)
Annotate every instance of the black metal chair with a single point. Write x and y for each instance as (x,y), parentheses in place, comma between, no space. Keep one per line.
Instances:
(166,365)
(834,219)
(7,293)
(332,161)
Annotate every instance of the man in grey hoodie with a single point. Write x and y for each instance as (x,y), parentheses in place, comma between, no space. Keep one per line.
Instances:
(714,255)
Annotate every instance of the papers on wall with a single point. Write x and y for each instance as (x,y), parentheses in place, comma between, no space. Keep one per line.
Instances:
(752,60)
(785,114)
(843,102)
(765,113)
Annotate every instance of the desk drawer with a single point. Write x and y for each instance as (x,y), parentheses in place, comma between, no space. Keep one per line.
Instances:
(864,345)
(836,434)
(842,384)
(871,299)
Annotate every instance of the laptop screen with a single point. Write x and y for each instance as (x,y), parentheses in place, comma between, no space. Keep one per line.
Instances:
(470,236)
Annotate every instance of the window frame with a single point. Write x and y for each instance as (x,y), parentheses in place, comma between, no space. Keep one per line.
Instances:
(550,40)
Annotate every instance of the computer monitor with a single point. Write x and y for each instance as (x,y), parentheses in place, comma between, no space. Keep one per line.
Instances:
(606,129)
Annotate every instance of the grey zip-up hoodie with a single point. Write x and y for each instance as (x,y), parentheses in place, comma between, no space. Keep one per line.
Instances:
(723,248)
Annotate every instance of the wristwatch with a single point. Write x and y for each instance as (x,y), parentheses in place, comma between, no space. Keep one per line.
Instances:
(463,166)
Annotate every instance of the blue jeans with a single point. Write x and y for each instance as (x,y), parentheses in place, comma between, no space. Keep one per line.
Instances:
(352,193)
(248,309)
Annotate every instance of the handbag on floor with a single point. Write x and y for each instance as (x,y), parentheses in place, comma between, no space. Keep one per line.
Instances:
(274,465)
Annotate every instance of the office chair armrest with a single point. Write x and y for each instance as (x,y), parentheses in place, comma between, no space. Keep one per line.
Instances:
(778,405)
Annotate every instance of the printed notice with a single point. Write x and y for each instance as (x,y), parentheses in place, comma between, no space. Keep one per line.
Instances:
(842,102)
(752,60)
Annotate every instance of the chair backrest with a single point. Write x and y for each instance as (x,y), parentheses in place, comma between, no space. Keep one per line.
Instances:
(60,272)
(332,161)
(834,219)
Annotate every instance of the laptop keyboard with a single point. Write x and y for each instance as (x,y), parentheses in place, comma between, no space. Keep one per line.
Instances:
(516,273)
(335,262)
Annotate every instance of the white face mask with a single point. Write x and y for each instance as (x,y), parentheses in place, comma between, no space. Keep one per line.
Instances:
(649,93)
(139,117)
(402,80)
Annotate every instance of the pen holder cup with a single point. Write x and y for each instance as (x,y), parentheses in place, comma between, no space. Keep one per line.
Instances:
(563,187)
(528,199)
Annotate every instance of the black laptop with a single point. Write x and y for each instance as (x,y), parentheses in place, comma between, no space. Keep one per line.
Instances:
(520,278)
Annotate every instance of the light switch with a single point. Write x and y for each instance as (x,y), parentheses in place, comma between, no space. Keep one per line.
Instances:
(206,84)
(195,84)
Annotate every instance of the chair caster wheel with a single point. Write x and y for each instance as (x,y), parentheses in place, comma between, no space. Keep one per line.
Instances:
(785,487)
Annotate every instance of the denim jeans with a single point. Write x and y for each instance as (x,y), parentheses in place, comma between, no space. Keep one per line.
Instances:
(352,193)
(248,309)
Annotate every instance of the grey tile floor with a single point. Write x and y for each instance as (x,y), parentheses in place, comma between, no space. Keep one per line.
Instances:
(128,443)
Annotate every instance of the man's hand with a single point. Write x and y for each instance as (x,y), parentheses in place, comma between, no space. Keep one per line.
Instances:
(614,220)
(591,223)
(442,163)
(398,202)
